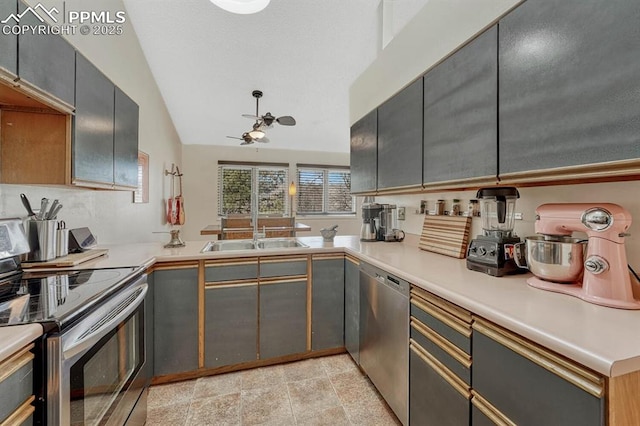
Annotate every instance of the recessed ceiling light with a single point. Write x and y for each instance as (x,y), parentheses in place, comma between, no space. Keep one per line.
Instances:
(242,7)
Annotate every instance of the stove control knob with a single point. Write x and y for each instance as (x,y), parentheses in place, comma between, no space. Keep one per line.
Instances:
(596,265)
(482,251)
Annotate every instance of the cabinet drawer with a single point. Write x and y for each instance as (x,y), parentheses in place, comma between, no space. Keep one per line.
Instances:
(508,369)
(16,384)
(245,269)
(449,321)
(283,266)
(485,414)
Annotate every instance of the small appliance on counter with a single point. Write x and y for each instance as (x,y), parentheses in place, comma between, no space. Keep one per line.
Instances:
(388,229)
(556,259)
(81,239)
(492,252)
(370,214)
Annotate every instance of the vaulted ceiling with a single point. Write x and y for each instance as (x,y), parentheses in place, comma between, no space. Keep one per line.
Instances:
(303,54)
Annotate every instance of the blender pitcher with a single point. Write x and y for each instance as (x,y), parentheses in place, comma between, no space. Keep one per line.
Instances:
(497,209)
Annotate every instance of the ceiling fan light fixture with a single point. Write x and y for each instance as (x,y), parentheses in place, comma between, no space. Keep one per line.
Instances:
(256,134)
(242,7)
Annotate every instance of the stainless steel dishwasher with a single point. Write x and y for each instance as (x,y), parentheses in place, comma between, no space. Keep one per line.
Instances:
(384,336)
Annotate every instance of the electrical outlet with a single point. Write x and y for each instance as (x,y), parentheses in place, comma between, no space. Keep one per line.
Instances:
(518,216)
(401,213)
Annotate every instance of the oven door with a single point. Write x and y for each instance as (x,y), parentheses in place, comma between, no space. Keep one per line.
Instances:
(96,368)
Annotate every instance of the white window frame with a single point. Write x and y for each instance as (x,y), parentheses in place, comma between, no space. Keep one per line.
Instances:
(325,190)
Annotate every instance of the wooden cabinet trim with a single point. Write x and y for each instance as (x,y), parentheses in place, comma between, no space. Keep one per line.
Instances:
(283,259)
(352,259)
(41,96)
(231,262)
(201,314)
(328,256)
(579,376)
(455,382)
(453,322)
(446,306)
(408,189)
(489,410)
(594,172)
(451,349)
(622,392)
(174,265)
(23,412)
(16,362)
(280,280)
(230,284)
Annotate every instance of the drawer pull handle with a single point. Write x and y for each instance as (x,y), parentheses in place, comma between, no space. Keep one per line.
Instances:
(457,383)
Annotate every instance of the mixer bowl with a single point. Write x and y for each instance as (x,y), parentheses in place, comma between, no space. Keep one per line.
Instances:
(560,260)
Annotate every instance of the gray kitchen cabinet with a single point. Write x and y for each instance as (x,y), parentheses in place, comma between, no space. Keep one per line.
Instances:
(283,317)
(327,302)
(35,50)
(93,126)
(283,266)
(17,388)
(461,113)
(9,42)
(149,319)
(440,361)
(528,385)
(125,141)
(231,324)
(352,307)
(568,74)
(364,154)
(400,139)
(175,320)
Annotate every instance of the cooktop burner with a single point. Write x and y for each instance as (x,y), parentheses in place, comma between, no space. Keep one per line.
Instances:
(55,299)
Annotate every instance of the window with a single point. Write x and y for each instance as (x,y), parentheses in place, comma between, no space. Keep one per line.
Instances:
(141,194)
(324,190)
(238,181)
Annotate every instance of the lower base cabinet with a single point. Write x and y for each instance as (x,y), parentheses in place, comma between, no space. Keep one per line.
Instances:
(283,317)
(327,302)
(231,324)
(17,388)
(352,307)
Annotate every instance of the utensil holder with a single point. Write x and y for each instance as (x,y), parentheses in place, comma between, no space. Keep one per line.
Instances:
(42,240)
(62,242)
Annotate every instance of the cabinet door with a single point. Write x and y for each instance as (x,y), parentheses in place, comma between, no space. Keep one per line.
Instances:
(364,153)
(175,321)
(46,60)
(93,125)
(9,42)
(149,320)
(231,324)
(568,71)
(283,318)
(327,304)
(352,308)
(461,113)
(125,140)
(543,392)
(273,267)
(433,400)
(400,139)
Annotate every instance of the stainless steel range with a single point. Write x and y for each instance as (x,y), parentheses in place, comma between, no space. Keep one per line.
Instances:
(93,352)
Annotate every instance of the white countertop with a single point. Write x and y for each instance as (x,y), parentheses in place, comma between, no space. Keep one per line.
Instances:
(604,339)
(15,337)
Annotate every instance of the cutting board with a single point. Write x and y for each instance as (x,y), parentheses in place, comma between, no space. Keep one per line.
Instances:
(448,235)
(68,260)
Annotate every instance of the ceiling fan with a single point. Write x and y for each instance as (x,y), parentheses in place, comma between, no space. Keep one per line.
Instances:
(248,139)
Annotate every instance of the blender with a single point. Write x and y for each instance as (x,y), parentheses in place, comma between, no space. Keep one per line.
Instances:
(493,251)
(370,213)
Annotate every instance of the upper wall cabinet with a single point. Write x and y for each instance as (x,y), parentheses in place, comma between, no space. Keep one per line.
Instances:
(93,126)
(364,154)
(46,61)
(569,84)
(125,140)
(460,115)
(400,139)
(9,42)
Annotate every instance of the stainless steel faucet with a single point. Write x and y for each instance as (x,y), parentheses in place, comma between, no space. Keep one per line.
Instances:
(254,218)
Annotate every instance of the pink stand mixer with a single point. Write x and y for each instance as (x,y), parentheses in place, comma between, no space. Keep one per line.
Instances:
(605,276)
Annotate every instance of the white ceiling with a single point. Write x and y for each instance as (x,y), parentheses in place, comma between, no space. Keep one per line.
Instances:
(303,54)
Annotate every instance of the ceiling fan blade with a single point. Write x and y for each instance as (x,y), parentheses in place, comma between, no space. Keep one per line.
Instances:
(234,137)
(286,120)
(251,116)
(263,140)
(246,142)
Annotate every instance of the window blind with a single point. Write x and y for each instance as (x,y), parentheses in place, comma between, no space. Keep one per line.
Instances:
(324,190)
(237,182)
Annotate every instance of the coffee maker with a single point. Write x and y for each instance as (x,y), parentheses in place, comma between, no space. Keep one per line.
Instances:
(370,215)
(492,252)
(388,229)
(606,279)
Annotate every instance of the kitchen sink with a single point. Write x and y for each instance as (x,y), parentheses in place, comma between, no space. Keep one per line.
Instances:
(262,244)
(227,245)
(271,243)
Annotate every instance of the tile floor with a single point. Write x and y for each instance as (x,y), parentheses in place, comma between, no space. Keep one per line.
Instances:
(320,391)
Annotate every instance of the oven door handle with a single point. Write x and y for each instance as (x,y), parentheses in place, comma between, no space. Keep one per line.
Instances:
(93,328)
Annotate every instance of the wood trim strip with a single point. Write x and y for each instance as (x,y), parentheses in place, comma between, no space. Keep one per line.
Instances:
(409,189)
(201,314)
(352,259)
(563,368)
(45,97)
(16,362)
(580,172)
(174,265)
(451,349)
(455,382)
(229,284)
(283,259)
(489,410)
(21,414)
(328,256)
(466,184)
(227,262)
(309,304)
(280,280)
(453,322)
(445,305)
(623,407)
